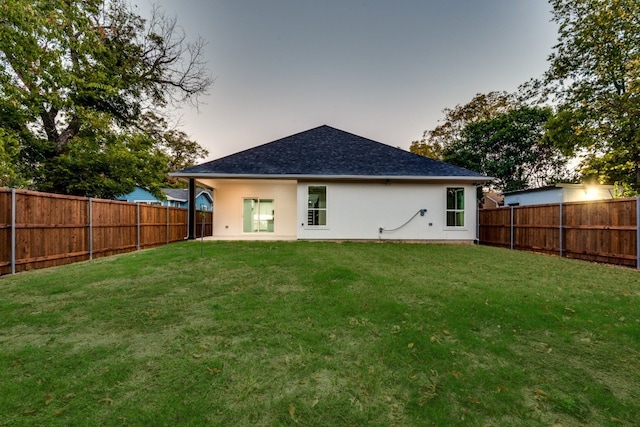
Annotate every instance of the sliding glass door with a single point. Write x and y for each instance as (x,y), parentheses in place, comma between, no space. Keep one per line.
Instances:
(258,215)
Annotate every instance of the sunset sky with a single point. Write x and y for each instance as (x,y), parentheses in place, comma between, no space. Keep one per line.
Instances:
(381,69)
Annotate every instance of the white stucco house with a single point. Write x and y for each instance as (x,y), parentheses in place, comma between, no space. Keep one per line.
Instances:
(559,193)
(326,183)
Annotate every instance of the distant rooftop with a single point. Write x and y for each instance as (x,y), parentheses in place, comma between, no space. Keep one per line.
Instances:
(559,185)
(181,194)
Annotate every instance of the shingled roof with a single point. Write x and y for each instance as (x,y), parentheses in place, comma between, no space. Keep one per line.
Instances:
(326,152)
(182,194)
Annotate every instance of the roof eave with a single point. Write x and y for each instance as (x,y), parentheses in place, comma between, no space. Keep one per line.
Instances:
(479,179)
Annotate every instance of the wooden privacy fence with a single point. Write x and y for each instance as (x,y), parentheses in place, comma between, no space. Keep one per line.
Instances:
(39,230)
(602,231)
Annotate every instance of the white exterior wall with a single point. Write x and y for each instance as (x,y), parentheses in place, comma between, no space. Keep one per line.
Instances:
(227,213)
(561,194)
(355,211)
(588,193)
(358,210)
(551,195)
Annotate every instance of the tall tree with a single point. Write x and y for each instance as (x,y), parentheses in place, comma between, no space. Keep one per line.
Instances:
(481,107)
(78,80)
(180,151)
(510,147)
(8,159)
(594,75)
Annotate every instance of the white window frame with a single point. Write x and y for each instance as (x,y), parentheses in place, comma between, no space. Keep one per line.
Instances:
(307,209)
(149,202)
(455,210)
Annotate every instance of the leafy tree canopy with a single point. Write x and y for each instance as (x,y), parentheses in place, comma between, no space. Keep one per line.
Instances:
(511,147)
(82,88)
(9,150)
(500,136)
(594,77)
(481,107)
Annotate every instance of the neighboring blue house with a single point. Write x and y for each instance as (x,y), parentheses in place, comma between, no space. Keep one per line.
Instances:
(175,197)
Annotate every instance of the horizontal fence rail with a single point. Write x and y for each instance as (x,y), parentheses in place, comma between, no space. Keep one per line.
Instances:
(606,231)
(39,230)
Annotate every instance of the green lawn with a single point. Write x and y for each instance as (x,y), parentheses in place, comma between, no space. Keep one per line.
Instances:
(328,334)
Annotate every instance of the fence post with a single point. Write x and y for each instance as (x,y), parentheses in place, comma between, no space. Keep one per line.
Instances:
(561,221)
(13,231)
(90,228)
(138,226)
(168,223)
(511,232)
(191,209)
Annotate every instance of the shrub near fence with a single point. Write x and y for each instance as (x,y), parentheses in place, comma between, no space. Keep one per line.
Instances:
(601,231)
(39,230)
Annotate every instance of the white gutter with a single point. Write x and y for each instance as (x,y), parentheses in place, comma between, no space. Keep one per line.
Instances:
(331,177)
(173,199)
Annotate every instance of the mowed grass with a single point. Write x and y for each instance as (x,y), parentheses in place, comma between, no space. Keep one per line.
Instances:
(321,334)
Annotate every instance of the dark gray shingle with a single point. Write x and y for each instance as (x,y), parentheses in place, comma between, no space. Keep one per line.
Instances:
(177,193)
(326,151)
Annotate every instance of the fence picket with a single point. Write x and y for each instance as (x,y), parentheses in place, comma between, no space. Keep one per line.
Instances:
(560,239)
(42,230)
(90,207)
(13,231)
(603,231)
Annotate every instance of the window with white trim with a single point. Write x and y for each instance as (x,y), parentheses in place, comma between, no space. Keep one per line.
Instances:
(455,207)
(317,205)
(148,202)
